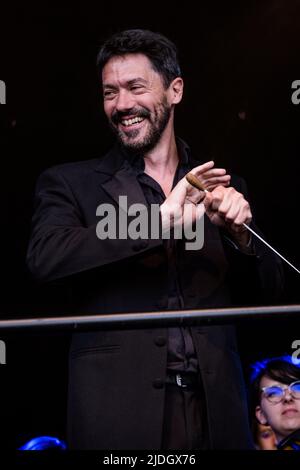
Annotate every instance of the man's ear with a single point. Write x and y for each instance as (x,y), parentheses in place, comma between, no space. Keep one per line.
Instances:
(260,415)
(176,90)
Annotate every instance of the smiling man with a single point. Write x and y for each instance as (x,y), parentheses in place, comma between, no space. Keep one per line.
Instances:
(136,102)
(276,391)
(157,388)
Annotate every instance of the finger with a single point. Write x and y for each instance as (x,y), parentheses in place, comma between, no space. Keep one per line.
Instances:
(232,213)
(216,219)
(244,216)
(208,201)
(212,201)
(237,228)
(200,210)
(231,205)
(222,199)
(203,168)
(230,202)
(217,180)
(200,196)
(194,192)
(209,173)
(211,187)
(195,198)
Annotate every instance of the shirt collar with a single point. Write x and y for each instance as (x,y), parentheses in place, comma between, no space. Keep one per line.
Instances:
(137,161)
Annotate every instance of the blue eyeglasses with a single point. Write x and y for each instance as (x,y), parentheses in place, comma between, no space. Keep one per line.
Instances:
(276,393)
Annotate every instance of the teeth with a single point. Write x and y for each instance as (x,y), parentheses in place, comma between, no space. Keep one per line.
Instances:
(129,122)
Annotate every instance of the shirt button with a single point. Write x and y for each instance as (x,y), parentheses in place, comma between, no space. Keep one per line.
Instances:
(160,341)
(158,383)
(142,245)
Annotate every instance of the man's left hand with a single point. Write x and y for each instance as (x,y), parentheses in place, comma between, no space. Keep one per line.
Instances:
(228,208)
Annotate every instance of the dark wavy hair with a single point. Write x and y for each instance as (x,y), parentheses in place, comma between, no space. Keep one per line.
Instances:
(282,369)
(161,52)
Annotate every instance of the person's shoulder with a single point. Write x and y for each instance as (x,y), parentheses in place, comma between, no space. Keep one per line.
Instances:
(73,168)
(291,442)
(107,162)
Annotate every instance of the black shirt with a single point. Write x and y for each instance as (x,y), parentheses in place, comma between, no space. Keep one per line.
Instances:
(181,351)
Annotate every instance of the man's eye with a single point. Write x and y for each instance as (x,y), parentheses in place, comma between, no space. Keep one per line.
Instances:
(137,88)
(109,94)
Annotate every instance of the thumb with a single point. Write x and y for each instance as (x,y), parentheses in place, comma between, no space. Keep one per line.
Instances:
(207,200)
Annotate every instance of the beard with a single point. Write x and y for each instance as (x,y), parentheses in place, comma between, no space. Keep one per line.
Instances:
(157,122)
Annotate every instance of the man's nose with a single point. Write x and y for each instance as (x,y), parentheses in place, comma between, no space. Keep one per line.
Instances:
(125,101)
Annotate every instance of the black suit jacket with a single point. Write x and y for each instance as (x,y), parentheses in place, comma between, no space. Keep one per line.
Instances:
(116,382)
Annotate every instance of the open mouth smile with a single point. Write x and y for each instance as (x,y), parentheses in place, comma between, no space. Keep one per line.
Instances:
(132,122)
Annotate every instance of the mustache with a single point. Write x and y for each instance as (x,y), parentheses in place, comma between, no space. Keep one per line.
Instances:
(117,116)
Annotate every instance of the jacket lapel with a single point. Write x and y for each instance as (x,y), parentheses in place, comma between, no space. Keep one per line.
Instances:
(117,178)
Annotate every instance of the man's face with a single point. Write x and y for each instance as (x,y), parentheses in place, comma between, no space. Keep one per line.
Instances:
(283,417)
(136,104)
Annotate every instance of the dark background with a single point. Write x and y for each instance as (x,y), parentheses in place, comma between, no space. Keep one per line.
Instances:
(238,60)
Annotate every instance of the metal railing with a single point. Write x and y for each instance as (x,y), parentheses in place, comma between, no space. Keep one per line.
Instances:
(151,319)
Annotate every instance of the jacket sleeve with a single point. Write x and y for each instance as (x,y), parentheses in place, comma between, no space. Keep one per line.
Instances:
(257,278)
(60,244)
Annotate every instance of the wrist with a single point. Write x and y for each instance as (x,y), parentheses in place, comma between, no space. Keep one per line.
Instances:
(242,239)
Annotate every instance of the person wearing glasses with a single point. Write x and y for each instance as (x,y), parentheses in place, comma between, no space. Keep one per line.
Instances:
(276,395)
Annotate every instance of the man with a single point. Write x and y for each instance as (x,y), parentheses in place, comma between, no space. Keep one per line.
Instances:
(155,388)
(276,392)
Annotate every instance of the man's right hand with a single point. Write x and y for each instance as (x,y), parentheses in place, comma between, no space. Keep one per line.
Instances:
(177,210)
